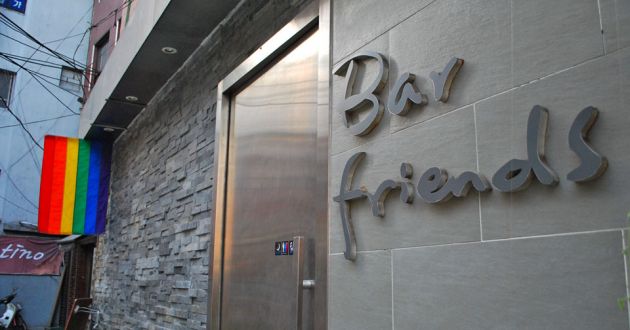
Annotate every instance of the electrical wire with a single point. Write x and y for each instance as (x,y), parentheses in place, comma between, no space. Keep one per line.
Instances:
(35,74)
(14,26)
(39,74)
(39,121)
(6,104)
(35,61)
(16,205)
(57,65)
(18,189)
(41,84)
(30,147)
(29,36)
(64,38)
(114,11)
(53,95)
(71,61)
(31,47)
(79,44)
(45,79)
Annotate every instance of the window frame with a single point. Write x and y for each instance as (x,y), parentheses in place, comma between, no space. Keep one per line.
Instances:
(12,76)
(73,70)
(97,66)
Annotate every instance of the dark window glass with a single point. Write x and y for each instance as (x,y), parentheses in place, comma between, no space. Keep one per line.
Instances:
(6,85)
(101,54)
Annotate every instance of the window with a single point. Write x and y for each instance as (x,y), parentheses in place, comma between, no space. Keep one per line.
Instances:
(100,53)
(101,49)
(6,86)
(118,27)
(70,79)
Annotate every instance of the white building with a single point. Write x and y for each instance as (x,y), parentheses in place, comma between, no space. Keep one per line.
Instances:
(43,90)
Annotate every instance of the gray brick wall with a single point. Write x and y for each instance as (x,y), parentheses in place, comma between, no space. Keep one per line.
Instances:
(151,265)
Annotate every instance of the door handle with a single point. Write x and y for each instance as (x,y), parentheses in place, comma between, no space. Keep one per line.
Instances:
(300,282)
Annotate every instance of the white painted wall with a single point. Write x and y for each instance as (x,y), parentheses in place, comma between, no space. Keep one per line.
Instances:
(20,159)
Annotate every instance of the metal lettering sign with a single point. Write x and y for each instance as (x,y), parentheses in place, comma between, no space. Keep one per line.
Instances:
(400,97)
(435,185)
(17,5)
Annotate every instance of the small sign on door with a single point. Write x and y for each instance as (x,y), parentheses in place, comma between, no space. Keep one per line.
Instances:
(284,248)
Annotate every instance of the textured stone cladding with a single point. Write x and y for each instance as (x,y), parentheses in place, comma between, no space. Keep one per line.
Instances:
(547,257)
(151,265)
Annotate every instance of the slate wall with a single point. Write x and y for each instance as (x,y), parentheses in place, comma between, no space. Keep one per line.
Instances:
(545,257)
(151,265)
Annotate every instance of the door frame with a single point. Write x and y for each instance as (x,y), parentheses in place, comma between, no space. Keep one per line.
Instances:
(316,14)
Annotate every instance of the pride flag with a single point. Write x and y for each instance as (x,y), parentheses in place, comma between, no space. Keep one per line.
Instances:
(74,186)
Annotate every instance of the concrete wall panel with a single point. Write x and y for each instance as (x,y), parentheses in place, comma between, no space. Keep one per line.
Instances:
(553,35)
(359,22)
(360,294)
(476,31)
(563,282)
(502,125)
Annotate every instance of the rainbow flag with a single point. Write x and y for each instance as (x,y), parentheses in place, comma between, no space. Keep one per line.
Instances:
(74,186)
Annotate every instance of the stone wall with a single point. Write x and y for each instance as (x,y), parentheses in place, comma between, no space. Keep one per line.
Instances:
(545,257)
(151,265)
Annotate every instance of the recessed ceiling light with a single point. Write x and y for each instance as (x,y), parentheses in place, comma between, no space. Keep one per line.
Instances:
(169,50)
(108,129)
(131,98)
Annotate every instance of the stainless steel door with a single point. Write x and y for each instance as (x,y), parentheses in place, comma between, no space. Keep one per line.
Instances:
(271,195)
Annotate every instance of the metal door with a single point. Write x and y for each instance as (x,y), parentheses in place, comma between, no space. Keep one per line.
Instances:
(273,196)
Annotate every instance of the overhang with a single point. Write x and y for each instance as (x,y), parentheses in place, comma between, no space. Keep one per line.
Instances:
(137,65)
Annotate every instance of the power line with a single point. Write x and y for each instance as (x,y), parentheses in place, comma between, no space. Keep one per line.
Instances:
(29,36)
(29,147)
(64,38)
(40,83)
(39,121)
(53,95)
(18,189)
(12,27)
(71,61)
(114,11)
(67,36)
(7,21)
(43,77)
(39,74)
(31,47)
(115,14)
(79,44)
(6,104)
(16,205)
(35,61)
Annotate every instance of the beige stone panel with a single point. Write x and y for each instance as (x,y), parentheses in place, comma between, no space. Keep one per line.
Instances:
(561,282)
(476,31)
(553,35)
(567,207)
(360,293)
(357,22)
(622,10)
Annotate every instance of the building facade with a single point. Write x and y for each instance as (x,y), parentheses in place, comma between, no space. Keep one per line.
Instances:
(474,158)
(42,89)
